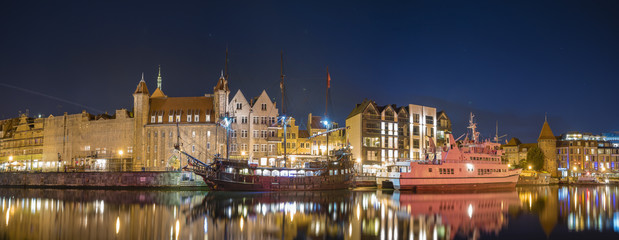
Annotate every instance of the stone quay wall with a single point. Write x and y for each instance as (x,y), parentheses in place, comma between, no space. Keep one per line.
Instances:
(101,179)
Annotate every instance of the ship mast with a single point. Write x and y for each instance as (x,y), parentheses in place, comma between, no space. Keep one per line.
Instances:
(326,110)
(281,85)
(473,127)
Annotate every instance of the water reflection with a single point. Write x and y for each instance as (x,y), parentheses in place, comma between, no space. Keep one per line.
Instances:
(107,214)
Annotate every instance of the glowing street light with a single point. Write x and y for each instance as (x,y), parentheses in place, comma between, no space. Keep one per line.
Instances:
(574,168)
(530,167)
(242,153)
(10,158)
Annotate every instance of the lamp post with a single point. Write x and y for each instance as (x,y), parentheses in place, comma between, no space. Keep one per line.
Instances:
(326,123)
(10,162)
(122,161)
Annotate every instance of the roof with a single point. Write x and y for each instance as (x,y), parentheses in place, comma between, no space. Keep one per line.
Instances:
(546,133)
(141,88)
(303,134)
(359,108)
(158,94)
(222,84)
(316,122)
(202,106)
(514,142)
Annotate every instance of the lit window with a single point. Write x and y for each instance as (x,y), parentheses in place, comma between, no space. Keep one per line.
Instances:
(196,118)
(152,119)
(178,118)
(159,119)
(193,133)
(170,118)
(188,118)
(208,118)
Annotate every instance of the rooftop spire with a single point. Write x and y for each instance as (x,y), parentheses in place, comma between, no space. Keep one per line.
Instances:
(222,74)
(159,79)
(142,77)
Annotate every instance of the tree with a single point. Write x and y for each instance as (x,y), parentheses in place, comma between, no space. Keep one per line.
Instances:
(521,164)
(535,157)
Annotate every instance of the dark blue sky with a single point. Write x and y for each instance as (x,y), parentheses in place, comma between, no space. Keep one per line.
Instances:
(507,62)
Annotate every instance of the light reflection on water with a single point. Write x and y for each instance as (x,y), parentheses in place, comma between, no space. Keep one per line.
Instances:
(371,214)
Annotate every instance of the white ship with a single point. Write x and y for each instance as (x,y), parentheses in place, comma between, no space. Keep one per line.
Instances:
(470,165)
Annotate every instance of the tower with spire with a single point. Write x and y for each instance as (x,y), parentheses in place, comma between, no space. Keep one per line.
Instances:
(221,93)
(140,115)
(158,93)
(547,142)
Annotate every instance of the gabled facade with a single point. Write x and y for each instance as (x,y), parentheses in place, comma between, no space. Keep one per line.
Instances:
(254,128)
(381,135)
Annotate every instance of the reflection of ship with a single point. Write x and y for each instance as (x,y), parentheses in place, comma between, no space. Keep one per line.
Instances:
(469,165)
(273,215)
(465,215)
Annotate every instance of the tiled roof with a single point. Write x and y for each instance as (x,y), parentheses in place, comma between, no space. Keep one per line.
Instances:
(546,133)
(359,108)
(303,134)
(182,105)
(141,88)
(158,94)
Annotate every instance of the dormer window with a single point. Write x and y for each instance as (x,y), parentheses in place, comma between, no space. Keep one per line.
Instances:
(188,118)
(264,107)
(196,118)
(208,117)
(152,119)
(178,118)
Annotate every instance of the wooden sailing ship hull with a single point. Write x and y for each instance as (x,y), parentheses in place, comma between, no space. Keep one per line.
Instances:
(238,182)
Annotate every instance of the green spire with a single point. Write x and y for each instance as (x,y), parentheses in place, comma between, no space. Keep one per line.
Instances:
(159,78)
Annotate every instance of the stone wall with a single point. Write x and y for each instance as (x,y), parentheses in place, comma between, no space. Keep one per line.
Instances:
(101,179)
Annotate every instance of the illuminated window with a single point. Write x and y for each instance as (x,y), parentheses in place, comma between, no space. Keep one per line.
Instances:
(188,118)
(178,118)
(160,119)
(152,119)
(208,118)
(170,118)
(196,118)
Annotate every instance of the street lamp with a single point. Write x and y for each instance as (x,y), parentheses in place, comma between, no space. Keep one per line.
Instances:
(10,161)
(122,161)
(530,167)
(326,123)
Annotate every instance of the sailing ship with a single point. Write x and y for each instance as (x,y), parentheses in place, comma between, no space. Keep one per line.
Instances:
(242,175)
(469,165)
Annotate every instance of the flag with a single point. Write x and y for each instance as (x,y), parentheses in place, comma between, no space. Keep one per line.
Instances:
(328,79)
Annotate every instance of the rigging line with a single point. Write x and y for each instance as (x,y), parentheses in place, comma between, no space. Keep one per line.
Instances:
(50,96)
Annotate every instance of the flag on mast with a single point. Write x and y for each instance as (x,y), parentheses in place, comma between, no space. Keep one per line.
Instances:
(328,79)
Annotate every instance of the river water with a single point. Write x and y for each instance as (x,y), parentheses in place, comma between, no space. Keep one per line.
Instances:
(555,212)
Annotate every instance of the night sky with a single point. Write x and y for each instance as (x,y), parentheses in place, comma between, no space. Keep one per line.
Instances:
(510,62)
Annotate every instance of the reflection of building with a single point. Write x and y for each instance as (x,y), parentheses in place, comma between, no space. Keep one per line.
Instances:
(383,134)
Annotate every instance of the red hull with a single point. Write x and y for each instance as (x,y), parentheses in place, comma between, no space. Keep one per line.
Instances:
(230,182)
(460,187)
